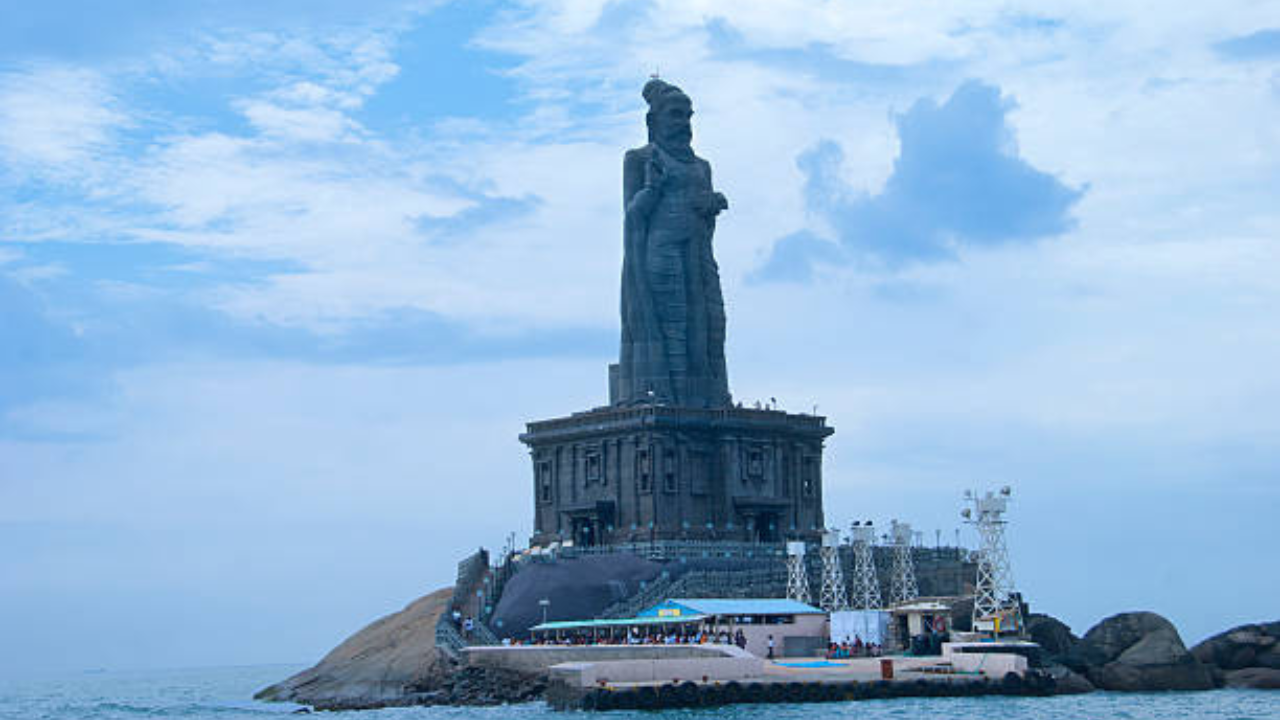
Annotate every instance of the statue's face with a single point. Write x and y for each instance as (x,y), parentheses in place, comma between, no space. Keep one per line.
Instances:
(671,124)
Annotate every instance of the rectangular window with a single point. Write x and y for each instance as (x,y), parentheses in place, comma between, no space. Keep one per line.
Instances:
(669,470)
(544,481)
(642,470)
(809,477)
(593,466)
(755,463)
(699,473)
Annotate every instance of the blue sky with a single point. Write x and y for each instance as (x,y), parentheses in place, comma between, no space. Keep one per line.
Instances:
(280,284)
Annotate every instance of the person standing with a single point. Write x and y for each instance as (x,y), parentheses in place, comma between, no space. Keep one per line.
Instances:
(770,647)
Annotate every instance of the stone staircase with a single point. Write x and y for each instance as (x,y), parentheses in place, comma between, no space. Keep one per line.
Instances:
(448,640)
(757,582)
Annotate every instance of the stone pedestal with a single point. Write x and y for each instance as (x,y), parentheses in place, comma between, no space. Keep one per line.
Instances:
(655,472)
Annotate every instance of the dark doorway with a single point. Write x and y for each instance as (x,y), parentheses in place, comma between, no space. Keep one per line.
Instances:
(767,527)
(584,532)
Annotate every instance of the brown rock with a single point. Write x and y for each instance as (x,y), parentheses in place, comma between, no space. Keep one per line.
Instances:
(1241,658)
(1067,682)
(1118,633)
(1242,647)
(1268,659)
(1134,652)
(1051,634)
(1118,676)
(1255,678)
(386,663)
(1161,647)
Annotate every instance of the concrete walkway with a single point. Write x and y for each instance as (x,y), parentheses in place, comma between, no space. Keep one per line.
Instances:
(822,670)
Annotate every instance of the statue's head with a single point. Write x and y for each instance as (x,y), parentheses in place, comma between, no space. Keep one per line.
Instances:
(668,116)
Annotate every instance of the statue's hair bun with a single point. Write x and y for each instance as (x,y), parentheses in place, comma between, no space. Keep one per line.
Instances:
(653,89)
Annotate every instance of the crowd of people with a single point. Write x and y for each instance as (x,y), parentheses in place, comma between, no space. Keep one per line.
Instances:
(678,635)
(636,637)
(857,648)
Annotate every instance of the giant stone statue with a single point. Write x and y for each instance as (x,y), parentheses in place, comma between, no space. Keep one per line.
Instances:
(670,458)
(673,321)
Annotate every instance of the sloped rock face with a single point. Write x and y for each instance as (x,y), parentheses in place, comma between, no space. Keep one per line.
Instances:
(579,588)
(1244,656)
(1051,634)
(490,686)
(1059,644)
(1067,681)
(1255,678)
(1118,633)
(1142,651)
(392,661)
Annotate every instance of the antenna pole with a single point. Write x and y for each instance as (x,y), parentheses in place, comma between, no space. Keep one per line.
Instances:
(834,596)
(866,586)
(902,583)
(797,574)
(996,607)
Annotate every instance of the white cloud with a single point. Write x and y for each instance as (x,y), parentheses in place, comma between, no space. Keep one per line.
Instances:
(310,124)
(54,119)
(310,183)
(1137,354)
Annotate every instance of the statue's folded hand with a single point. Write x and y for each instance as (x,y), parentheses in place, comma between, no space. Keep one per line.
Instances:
(655,175)
(710,203)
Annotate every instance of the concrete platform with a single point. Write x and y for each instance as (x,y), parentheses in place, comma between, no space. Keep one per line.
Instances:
(579,685)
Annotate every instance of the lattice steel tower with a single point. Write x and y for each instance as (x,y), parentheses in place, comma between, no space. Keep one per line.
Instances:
(834,595)
(866,585)
(902,582)
(995,608)
(797,573)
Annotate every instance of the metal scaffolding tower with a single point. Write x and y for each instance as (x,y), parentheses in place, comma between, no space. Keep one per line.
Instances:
(902,581)
(797,573)
(834,596)
(996,607)
(866,586)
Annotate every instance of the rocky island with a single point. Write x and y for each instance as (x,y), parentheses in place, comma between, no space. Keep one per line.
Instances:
(672,490)
(395,661)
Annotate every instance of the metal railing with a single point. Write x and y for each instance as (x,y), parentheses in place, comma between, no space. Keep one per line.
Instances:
(747,583)
(674,550)
(448,639)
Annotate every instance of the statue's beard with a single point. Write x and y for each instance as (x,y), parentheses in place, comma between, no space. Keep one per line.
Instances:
(677,143)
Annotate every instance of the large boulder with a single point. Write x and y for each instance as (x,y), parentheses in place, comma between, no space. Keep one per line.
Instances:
(1256,645)
(1256,678)
(1141,651)
(1067,681)
(1244,656)
(392,661)
(1118,633)
(1051,634)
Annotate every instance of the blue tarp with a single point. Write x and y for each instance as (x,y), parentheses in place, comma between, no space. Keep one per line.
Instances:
(730,606)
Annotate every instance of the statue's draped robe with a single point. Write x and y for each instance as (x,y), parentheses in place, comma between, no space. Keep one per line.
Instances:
(673,321)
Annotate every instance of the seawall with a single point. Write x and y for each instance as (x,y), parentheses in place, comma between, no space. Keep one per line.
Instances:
(691,694)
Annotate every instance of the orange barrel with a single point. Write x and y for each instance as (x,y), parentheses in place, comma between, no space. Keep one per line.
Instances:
(886,669)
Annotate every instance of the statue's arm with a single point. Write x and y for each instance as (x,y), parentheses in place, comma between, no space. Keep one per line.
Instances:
(637,194)
(718,201)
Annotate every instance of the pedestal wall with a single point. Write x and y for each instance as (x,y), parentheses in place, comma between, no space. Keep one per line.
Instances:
(655,472)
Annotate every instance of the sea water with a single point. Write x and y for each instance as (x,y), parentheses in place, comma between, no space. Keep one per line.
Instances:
(225,694)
